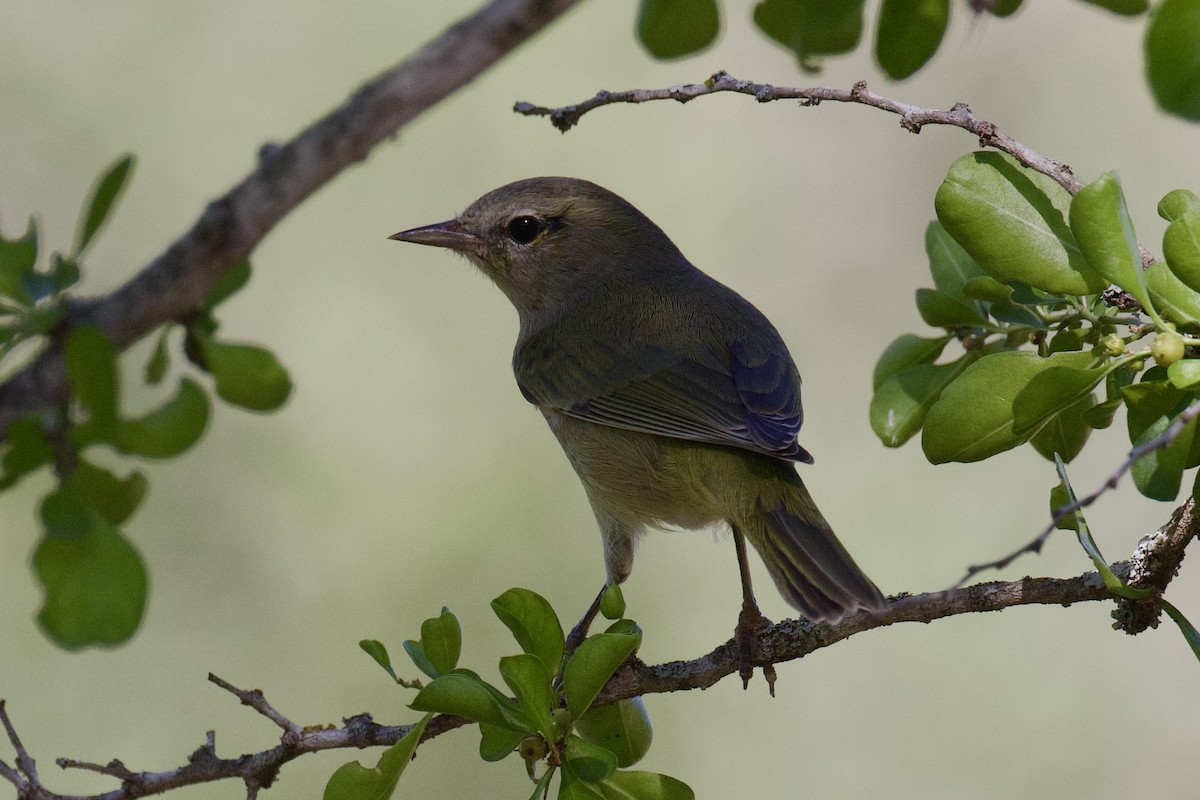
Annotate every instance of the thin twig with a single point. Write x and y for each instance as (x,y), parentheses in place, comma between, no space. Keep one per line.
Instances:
(912,118)
(113,768)
(25,763)
(1062,513)
(1156,561)
(256,700)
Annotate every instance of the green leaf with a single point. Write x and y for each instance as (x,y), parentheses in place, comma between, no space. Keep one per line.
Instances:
(416,652)
(92,369)
(1184,374)
(1050,392)
(168,430)
(496,744)
(639,785)
(1130,8)
(590,667)
(26,448)
(441,641)
(588,761)
(464,693)
(1153,405)
(572,787)
(907,351)
(1070,340)
(534,625)
(353,781)
(1066,432)
(95,587)
(623,728)
(908,34)
(64,514)
(1190,635)
(951,266)
(160,359)
(985,287)
(811,28)
(940,310)
(1101,416)
(64,272)
(612,604)
(104,195)
(973,419)
(1181,247)
(1174,299)
(17,259)
(375,649)
(228,284)
(247,375)
(675,28)
(1061,498)
(529,681)
(111,497)
(1173,57)
(626,627)
(1176,203)
(901,403)
(1012,221)
(1102,227)
(1002,8)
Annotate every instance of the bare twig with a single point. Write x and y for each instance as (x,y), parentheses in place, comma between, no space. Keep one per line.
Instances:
(174,284)
(25,776)
(1060,514)
(912,118)
(1153,564)
(255,699)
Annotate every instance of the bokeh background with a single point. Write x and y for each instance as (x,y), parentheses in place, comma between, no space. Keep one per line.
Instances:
(407,473)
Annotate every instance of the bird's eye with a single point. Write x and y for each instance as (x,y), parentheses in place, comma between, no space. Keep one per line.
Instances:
(525,229)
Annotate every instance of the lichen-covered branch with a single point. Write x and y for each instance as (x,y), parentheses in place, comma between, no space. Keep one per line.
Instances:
(1154,563)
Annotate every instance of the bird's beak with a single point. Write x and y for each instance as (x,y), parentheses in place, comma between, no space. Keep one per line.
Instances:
(443,234)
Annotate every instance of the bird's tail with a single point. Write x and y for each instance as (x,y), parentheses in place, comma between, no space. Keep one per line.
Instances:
(812,570)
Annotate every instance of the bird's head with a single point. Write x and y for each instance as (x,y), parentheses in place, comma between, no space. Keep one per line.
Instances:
(548,241)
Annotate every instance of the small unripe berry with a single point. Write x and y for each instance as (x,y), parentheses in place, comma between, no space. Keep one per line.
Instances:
(1167,348)
(532,748)
(1113,345)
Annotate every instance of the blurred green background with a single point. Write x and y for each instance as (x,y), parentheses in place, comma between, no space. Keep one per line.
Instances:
(407,472)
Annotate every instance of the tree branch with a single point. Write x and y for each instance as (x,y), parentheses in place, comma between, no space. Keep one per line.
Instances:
(174,285)
(912,118)
(1153,564)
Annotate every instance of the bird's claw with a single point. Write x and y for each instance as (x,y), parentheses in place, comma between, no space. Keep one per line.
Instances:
(751,622)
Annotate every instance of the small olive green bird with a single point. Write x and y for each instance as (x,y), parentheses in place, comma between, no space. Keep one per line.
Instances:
(675,399)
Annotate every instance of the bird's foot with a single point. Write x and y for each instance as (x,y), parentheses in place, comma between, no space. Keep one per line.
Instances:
(751,622)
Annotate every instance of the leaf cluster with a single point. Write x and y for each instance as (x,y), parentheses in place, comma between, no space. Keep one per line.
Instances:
(94,579)
(546,716)
(1048,300)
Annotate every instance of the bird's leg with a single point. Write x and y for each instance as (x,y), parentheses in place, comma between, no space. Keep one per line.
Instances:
(580,631)
(750,621)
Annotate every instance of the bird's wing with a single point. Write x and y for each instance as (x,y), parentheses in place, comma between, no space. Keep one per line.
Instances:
(747,396)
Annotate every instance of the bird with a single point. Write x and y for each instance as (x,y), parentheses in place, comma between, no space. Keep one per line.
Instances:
(675,400)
